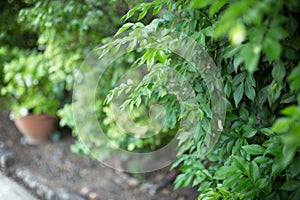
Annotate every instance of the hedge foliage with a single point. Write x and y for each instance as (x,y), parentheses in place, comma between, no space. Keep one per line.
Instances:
(255,45)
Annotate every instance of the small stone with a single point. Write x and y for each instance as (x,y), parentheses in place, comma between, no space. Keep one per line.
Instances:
(84,190)
(133,182)
(93,195)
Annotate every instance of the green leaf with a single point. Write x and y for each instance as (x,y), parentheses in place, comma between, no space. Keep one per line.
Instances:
(216,6)
(238,79)
(282,125)
(277,167)
(242,183)
(169,16)
(294,167)
(144,12)
(238,94)
(250,54)
(199,3)
(288,153)
(254,149)
(192,25)
(272,48)
(278,72)
(249,89)
(250,133)
(240,163)
(262,182)
(291,111)
(261,160)
(191,116)
(124,28)
(290,185)
(225,171)
(244,114)
(206,109)
(130,13)
(157,9)
(254,172)
(266,131)
(227,89)
(232,180)
(295,195)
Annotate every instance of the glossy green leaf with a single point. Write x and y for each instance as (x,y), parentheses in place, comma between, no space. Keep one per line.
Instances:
(240,163)
(254,149)
(249,133)
(254,171)
(225,171)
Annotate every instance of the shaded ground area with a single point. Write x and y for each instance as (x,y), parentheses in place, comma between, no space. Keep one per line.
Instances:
(52,171)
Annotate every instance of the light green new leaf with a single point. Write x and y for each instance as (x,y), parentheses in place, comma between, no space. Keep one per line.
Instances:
(282,125)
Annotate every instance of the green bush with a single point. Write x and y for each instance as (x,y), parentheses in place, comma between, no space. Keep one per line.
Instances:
(255,45)
(32,85)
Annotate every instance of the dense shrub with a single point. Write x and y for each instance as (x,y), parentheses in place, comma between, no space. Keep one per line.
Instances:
(255,45)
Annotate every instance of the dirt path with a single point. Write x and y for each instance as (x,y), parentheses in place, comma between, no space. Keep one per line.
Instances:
(52,171)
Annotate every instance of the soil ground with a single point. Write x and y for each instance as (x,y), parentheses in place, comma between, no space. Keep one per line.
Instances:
(58,167)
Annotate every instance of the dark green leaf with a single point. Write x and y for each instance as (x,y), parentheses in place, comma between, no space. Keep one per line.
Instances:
(249,133)
(295,167)
(261,183)
(238,94)
(238,79)
(290,185)
(249,89)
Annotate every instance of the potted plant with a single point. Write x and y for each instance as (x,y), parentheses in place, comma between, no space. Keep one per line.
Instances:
(34,91)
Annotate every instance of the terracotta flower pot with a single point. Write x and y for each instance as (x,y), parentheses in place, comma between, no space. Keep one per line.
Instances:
(36,128)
